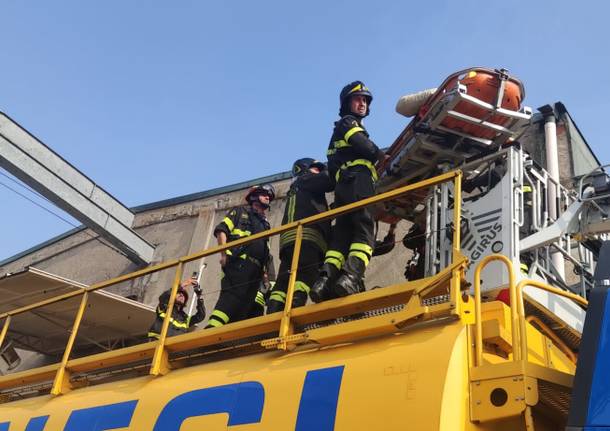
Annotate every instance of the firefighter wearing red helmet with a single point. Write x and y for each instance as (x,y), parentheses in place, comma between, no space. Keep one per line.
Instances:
(351,163)
(243,266)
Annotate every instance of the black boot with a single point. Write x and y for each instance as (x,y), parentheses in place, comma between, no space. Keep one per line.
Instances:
(299,299)
(320,291)
(351,280)
(274,306)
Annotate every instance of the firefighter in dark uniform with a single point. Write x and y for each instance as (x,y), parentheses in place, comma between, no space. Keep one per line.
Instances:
(242,266)
(180,322)
(306,198)
(351,163)
(264,288)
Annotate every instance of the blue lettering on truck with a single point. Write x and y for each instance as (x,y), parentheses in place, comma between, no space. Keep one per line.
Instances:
(318,405)
(243,402)
(101,418)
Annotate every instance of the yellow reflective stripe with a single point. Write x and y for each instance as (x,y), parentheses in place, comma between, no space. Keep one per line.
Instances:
(523,268)
(229,223)
(240,233)
(334,261)
(291,207)
(172,321)
(220,315)
(356,88)
(527,189)
(153,335)
(260,298)
(230,253)
(309,234)
(300,286)
(360,255)
(177,324)
(331,151)
(276,296)
(357,162)
(342,143)
(350,132)
(336,255)
(279,293)
(335,258)
(360,246)
(215,323)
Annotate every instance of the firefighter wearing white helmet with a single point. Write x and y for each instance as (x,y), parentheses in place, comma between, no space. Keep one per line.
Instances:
(351,163)
(243,266)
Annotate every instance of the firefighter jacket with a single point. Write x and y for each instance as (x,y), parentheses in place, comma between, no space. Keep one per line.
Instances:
(180,322)
(307,197)
(350,146)
(242,222)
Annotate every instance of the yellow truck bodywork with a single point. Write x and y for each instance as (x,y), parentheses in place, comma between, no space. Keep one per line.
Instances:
(417,379)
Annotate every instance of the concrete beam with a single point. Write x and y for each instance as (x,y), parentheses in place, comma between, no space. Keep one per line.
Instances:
(39,167)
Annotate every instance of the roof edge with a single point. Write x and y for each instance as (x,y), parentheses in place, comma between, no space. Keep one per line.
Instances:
(156,205)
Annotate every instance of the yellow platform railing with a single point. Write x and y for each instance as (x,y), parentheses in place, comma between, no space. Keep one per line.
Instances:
(517,309)
(160,358)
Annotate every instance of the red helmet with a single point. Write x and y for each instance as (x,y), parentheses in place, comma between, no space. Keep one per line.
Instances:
(264,189)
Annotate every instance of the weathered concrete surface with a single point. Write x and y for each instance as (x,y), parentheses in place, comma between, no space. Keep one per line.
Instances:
(177,231)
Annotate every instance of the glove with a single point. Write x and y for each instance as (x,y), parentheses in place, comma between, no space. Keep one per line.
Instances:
(197,290)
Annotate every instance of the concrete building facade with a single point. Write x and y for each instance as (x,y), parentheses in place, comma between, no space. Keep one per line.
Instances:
(176,227)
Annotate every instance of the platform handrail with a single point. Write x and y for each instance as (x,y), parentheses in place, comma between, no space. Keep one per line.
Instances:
(160,362)
(478,340)
(521,305)
(517,309)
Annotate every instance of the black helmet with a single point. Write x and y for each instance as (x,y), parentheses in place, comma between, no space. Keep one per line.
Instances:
(301,166)
(183,291)
(264,189)
(354,89)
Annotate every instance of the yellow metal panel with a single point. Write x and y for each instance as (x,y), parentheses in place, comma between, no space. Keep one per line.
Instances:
(498,398)
(397,382)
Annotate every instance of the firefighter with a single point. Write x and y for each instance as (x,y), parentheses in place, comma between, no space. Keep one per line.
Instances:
(306,198)
(180,322)
(351,163)
(242,266)
(264,288)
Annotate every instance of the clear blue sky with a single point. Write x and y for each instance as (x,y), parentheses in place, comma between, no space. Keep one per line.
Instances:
(157,99)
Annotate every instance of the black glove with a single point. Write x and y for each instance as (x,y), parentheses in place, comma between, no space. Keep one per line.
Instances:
(197,290)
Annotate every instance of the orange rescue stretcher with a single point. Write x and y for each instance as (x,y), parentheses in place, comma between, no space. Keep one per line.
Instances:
(471,114)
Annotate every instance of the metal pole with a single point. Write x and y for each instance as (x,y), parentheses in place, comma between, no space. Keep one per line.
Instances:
(193,299)
(552,167)
(7,323)
(514,312)
(285,326)
(160,363)
(62,379)
(457,217)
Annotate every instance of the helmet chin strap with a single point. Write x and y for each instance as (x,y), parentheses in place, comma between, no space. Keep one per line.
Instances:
(259,202)
(264,205)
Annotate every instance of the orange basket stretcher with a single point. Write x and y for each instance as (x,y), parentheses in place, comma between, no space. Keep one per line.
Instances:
(472,113)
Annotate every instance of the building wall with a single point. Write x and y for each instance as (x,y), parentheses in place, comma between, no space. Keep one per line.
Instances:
(175,231)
